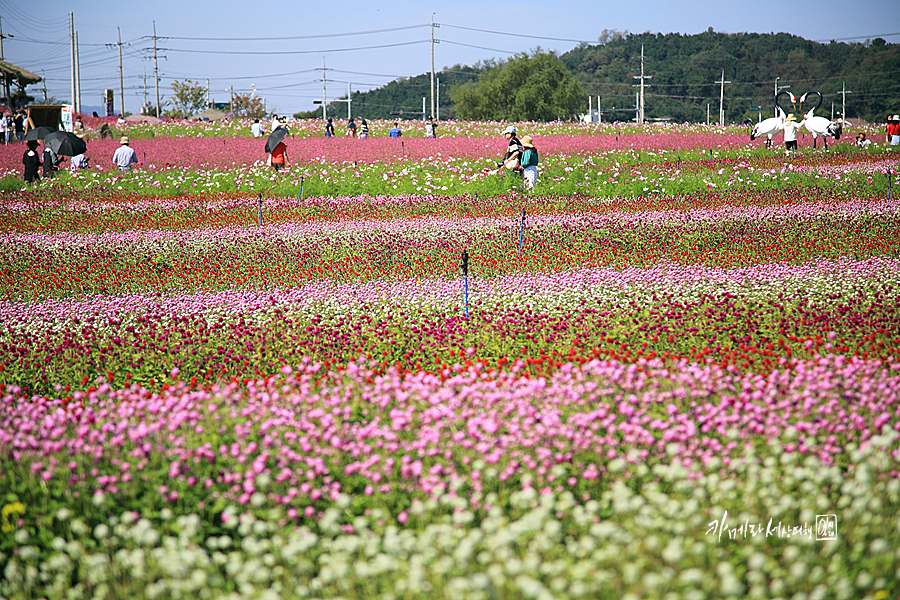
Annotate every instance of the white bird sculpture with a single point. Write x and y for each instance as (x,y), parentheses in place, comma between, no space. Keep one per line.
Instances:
(769,127)
(820,126)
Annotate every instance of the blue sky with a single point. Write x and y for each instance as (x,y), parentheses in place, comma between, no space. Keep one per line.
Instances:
(367,44)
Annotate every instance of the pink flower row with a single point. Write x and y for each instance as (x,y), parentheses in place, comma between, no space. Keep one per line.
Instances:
(230,153)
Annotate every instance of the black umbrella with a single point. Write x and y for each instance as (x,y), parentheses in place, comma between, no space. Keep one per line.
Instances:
(39,133)
(275,138)
(65,143)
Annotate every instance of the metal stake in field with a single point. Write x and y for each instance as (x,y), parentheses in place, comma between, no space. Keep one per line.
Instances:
(259,206)
(465,274)
(522,232)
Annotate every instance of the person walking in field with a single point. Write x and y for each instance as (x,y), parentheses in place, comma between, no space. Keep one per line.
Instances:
(329,128)
(790,134)
(529,162)
(892,131)
(279,156)
(125,156)
(32,161)
(351,128)
(363,129)
(430,128)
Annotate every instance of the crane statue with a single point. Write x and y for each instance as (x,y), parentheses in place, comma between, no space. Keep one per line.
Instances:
(819,126)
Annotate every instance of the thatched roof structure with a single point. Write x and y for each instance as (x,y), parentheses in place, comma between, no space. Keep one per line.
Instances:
(12,72)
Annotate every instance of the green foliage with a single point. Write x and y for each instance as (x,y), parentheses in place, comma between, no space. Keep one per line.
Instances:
(188,98)
(526,88)
(251,108)
(10,183)
(685,67)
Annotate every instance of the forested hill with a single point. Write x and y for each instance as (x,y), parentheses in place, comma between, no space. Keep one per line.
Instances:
(684,69)
(406,94)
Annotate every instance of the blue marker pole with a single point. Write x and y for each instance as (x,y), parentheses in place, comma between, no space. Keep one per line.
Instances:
(259,205)
(522,232)
(465,274)
(300,195)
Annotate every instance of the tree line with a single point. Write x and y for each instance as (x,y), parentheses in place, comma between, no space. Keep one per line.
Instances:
(683,68)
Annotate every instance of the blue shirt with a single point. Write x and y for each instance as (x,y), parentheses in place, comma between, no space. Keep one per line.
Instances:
(395,133)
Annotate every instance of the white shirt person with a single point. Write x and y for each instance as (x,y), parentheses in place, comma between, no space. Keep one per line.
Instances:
(125,156)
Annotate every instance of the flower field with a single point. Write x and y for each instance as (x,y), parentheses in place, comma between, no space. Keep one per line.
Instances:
(673,371)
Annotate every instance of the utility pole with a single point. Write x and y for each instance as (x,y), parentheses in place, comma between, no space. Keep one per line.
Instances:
(722,98)
(72,57)
(844,93)
(637,107)
(77,76)
(642,77)
(778,89)
(599,112)
(433,25)
(155,69)
(324,110)
(5,80)
(438,89)
(348,101)
(44,81)
(707,114)
(776,95)
(121,77)
(1,38)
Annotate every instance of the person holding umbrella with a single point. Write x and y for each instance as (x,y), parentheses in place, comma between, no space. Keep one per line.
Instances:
(64,143)
(51,161)
(276,148)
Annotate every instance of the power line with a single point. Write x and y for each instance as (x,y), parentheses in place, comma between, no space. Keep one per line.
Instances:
(535,37)
(291,37)
(858,37)
(478,47)
(268,52)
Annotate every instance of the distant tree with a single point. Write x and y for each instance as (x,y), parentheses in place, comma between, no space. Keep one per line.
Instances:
(608,35)
(188,98)
(245,106)
(525,88)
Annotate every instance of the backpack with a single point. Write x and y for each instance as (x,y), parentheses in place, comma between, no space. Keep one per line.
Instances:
(532,158)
